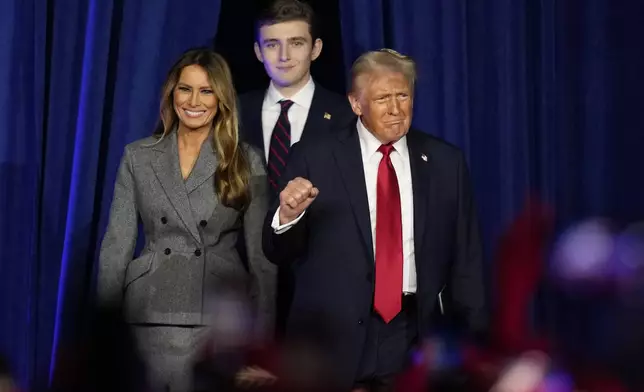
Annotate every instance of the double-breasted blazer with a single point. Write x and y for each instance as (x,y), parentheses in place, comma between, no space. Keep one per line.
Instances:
(190,237)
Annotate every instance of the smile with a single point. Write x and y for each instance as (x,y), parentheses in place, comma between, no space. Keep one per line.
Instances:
(194,113)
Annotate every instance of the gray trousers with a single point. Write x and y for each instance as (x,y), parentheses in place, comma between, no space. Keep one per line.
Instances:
(169,353)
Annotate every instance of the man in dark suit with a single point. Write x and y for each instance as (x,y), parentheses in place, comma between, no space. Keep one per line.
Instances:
(293,106)
(376,219)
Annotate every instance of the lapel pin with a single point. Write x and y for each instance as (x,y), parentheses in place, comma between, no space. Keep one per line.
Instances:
(327,116)
(423,157)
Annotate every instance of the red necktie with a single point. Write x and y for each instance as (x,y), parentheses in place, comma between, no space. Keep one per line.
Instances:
(389,252)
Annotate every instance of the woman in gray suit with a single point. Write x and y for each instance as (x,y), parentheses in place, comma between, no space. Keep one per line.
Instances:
(196,188)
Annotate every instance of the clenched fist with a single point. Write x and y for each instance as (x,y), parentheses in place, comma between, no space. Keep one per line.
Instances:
(296,197)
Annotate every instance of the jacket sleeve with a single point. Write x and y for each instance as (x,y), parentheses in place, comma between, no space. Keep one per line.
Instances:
(264,274)
(286,247)
(119,241)
(466,280)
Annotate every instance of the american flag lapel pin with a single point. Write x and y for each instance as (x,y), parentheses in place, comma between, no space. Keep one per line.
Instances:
(327,116)
(423,157)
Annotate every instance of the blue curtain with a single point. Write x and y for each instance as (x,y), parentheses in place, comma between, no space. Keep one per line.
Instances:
(80,79)
(544,96)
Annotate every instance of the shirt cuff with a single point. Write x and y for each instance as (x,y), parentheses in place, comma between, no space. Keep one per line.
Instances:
(279,229)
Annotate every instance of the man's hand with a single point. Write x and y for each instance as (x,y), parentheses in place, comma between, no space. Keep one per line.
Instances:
(296,197)
(253,377)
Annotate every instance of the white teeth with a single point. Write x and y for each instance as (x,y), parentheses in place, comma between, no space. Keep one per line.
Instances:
(190,113)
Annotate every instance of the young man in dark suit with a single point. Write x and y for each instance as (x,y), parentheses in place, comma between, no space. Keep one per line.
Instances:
(293,106)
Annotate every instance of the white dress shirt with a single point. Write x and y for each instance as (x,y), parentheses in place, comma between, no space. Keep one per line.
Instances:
(297,114)
(371,160)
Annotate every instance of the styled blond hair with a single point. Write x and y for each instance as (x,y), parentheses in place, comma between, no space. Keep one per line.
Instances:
(232,175)
(383,59)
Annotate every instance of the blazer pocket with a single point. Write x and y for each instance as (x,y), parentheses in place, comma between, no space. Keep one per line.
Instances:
(224,267)
(137,268)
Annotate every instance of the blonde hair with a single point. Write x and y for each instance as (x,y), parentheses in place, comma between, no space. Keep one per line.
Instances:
(383,59)
(232,175)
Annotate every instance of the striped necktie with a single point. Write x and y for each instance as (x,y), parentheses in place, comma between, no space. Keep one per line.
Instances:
(280,145)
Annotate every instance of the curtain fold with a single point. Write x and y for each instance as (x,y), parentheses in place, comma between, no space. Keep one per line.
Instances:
(82,79)
(545,97)
(528,89)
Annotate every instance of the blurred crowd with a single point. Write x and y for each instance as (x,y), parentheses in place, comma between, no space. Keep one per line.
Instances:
(586,334)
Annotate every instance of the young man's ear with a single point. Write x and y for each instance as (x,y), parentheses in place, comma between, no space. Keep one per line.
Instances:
(317,49)
(258,52)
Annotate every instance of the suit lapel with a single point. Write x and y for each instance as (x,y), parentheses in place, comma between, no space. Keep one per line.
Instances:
(166,167)
(318,119)
(349,160)
(204,168)
(200,184)
(420,162)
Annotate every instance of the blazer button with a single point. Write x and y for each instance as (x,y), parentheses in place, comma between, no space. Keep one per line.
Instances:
(164,220)
(360,322)
(167,251)
(203,223)
(198,252)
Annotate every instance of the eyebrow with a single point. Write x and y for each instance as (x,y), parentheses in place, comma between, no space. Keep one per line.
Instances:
(290,39)
(381,94)
(389,92)
(183,84)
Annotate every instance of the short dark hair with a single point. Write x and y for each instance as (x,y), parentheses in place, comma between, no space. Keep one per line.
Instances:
(280,11)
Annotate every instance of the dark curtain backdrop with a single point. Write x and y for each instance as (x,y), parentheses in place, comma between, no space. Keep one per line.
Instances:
(80,79)
(236,36)
(544,96)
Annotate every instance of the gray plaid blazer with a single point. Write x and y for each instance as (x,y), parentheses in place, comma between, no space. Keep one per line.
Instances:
(190,238)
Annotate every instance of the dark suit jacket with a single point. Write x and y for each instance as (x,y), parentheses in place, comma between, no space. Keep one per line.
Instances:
(331,247)
(190,237)
(328,111)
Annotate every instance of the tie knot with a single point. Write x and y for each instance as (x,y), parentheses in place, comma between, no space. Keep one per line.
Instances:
(386,149)
(286,104)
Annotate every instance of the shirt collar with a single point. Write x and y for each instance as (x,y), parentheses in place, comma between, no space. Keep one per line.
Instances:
(370,144)
(302,98)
